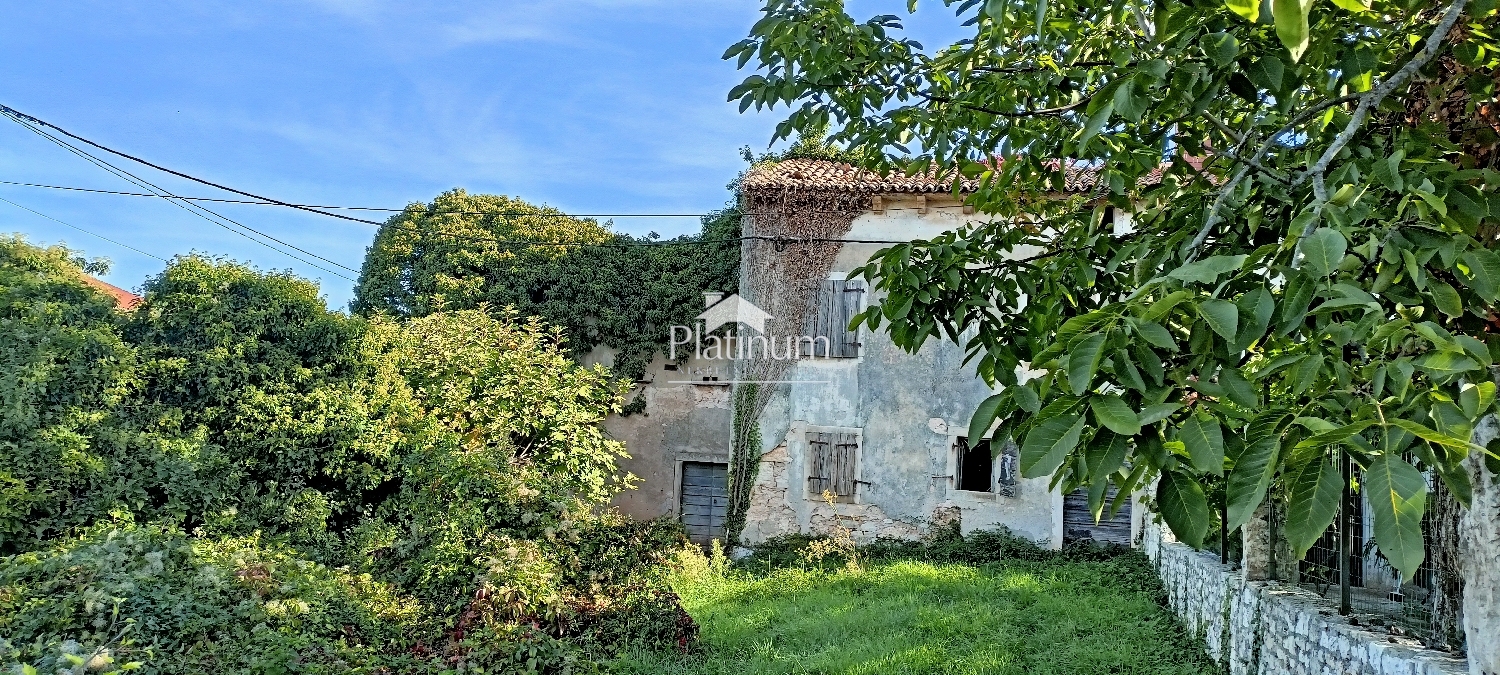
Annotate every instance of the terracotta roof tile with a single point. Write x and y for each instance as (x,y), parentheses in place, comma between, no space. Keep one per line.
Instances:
(830,175)
(124,299)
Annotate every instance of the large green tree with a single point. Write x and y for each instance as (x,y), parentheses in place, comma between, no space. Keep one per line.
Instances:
(1312,194)
(463,251)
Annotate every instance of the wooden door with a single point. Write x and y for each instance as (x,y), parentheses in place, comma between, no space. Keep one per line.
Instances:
(1078,523)
(705,500)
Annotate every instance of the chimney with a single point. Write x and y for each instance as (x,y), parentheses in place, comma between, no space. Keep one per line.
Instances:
(711,298)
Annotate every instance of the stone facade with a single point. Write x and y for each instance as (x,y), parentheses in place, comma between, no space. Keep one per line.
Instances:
(908,410)
(1268,628)
(772,514)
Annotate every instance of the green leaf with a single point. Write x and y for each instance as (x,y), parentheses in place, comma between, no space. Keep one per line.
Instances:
(1223,48)
(1477,398)
(1336,435)
(1204,440)
(1096,122)
(1248,9)
(1155,334)
(1313,488)
(1113,412)
(1397,493)
(1324,249)
(1183,506)
(984,416)
(1222,316)
(1483,273)
(1444,364)
(1256,308)
(1445,298)
(1159,309)
(1237,388)
(1048,444)
(1295,300)
(1353,5)
(1207,270)
(1083,362)
(1291,25)
(1152,414)
(1425,433)
(1127,372)
(1026,398)
(1112,457)
(1250,479)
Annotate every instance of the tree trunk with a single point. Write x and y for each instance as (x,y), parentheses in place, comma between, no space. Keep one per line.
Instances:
(1479,559)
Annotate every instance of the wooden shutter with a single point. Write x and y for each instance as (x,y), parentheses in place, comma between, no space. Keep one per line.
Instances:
(831,463)
(836,304)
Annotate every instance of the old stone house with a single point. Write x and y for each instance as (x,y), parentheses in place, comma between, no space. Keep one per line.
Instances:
(880,430)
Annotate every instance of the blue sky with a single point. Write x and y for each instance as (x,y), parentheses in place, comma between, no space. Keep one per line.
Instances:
(591,106)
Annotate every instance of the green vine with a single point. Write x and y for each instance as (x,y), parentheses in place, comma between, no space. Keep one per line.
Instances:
(744,459)
(603,288)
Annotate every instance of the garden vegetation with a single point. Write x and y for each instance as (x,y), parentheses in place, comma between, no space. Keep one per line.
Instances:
(232,478)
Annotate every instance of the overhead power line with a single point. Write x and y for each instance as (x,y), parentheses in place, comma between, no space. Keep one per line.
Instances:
(197,210)
(40,126)
(91,234)
(361,208)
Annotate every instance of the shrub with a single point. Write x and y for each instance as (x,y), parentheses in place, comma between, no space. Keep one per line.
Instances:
(191,604)
(314,492)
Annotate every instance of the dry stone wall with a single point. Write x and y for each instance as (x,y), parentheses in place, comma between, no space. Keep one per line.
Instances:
(1268,628)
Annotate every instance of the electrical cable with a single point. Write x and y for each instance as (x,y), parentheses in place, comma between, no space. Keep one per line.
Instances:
(91,234)
(195,209)
(363,208)
(31,122)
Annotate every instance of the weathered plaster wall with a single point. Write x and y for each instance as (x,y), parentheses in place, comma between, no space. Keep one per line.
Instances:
(908,408)
(1267,628)
(681,423)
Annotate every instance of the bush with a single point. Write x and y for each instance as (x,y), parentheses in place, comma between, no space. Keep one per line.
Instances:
(233,478)
(192,604)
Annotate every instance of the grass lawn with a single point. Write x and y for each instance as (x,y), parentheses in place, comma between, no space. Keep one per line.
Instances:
(1060,614)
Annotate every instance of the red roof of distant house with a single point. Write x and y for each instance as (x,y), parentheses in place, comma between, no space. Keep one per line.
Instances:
(830,175)
(123,298)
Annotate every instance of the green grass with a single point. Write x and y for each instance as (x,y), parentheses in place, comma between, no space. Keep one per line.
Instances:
(1058,615)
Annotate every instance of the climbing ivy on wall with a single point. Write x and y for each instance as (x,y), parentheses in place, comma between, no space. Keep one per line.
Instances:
(603,288)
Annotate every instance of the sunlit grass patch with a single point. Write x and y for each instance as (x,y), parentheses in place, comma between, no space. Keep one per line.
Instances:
(914,616)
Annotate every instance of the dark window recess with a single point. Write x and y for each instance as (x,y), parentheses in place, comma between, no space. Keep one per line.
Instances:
(671,366)
(837,303)
(831,463)
(981,469)
(705,500)
(976,467)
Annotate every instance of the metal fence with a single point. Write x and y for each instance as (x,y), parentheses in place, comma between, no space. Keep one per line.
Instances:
(1345,567)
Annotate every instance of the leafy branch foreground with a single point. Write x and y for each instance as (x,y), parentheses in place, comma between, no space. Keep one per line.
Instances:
(1286,252)
(989,603)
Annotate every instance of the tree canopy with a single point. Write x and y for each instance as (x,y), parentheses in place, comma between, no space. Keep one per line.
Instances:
(1302,261)
(463,251)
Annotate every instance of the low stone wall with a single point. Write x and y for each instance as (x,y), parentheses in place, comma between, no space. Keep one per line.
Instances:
(1267,628)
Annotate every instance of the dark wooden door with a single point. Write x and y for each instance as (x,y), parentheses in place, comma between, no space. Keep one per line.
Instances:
(1078,523)
(705,500)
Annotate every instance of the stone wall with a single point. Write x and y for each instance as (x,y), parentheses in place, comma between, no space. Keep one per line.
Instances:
(773,514)
(1268,628)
